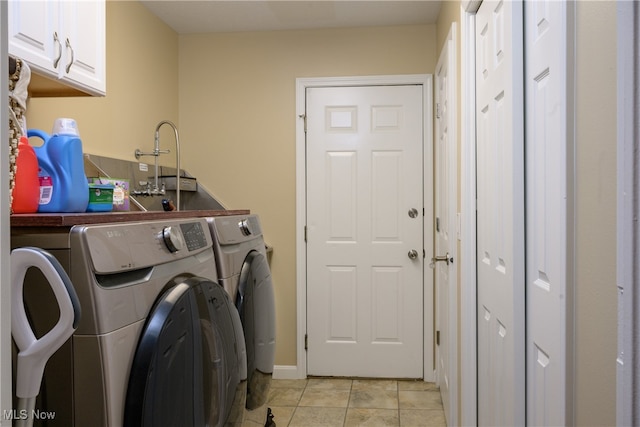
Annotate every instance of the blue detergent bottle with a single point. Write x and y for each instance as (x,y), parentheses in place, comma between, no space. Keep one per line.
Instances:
(63,183)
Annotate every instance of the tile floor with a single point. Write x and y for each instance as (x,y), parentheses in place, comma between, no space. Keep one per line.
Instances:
(345,402)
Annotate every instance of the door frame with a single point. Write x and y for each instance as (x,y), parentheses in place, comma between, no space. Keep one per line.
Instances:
(426,80)
(5,266)
(628,208)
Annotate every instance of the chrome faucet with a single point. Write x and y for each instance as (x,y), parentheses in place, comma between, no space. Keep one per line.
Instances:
(156,152)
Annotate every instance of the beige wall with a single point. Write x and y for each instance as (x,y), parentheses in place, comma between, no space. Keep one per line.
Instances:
(449,13)
(238,118)
(595,219)
(142,88)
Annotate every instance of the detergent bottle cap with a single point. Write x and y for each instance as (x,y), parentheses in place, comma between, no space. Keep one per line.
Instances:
(65,126)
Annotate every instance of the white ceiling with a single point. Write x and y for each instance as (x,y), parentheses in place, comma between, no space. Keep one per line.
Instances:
(207,16)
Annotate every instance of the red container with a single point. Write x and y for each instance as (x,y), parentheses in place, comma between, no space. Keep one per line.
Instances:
(26,192)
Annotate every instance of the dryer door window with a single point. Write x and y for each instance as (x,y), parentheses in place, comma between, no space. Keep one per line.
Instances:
(224,356)
(184,371)
(255,303)
(162,387)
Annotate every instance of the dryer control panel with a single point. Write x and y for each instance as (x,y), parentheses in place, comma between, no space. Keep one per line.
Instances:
(233,230)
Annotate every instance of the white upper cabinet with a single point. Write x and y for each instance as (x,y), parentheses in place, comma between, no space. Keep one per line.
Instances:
(62,40)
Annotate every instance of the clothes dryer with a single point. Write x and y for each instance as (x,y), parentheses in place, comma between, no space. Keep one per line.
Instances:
(159,343)
(243,271)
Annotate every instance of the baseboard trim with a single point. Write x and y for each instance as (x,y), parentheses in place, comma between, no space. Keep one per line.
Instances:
(287,372)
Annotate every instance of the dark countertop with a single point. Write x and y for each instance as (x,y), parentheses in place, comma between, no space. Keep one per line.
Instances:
(71,219)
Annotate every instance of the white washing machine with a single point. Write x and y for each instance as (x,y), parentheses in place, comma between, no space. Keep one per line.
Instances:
(243,271)
(159,343)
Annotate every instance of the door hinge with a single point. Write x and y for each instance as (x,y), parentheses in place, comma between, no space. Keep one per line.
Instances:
(305,233)
(437,339)
(306,342)
(437,110)
(304,117)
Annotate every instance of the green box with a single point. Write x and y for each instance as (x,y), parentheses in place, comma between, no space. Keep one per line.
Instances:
(100,198)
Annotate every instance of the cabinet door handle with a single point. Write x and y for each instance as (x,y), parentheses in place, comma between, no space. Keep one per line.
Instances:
(68,45)
(56,40)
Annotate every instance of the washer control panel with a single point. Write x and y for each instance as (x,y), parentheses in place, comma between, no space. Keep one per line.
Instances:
(194,235)
(127,246)
(172,239)
(244,227)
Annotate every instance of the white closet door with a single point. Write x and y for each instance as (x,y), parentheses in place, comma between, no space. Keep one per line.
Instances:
(500,210)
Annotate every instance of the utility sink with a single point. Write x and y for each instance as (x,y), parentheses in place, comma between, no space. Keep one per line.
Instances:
(186,183)
(192,195)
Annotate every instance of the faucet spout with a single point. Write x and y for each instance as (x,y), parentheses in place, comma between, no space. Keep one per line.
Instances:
(157,150)
(155,153)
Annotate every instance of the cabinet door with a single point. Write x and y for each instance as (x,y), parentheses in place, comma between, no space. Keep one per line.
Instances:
(62,40)
(32,25)
(82,24)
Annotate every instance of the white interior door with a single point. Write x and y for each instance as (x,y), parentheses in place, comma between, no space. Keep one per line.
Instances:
(445,229)
(546,202)
(364,221)
(500,214)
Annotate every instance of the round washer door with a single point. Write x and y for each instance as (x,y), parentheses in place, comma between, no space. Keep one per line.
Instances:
(186,369)
(255,303)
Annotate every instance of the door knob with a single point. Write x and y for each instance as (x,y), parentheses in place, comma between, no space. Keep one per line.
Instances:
(413,254)
(413,212)
(446,258)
